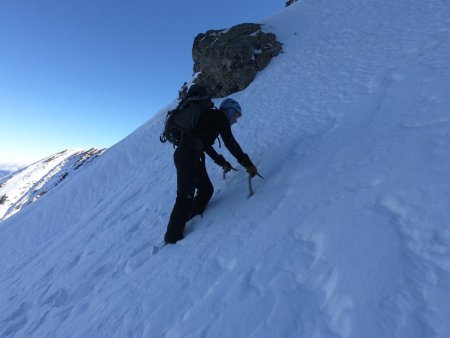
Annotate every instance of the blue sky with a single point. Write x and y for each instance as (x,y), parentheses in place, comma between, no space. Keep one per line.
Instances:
(81,74)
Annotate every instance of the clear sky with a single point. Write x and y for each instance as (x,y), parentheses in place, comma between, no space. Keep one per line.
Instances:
(86,73)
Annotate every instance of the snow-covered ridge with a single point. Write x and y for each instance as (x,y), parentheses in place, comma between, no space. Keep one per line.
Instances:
(26,186)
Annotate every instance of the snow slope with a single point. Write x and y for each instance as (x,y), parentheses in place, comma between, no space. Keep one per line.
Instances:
(31,183)
(347,236)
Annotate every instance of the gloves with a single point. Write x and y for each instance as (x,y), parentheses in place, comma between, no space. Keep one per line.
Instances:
(226,166)
(252,170)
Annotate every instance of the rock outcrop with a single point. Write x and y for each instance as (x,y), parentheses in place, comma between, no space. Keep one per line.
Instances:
(290,2)
(226,61)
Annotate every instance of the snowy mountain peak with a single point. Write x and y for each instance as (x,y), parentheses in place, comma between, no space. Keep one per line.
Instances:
(31,183)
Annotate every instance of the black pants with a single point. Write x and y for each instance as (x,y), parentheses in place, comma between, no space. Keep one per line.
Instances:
(191,177)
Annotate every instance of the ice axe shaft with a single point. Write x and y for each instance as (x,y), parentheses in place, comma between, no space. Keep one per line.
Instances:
(250,187)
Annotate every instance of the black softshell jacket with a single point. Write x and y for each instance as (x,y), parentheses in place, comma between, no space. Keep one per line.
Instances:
(213,123)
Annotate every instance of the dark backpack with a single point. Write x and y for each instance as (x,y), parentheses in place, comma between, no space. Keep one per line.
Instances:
(181,121)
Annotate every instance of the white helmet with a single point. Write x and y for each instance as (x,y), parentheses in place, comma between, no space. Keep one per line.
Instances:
(230,107)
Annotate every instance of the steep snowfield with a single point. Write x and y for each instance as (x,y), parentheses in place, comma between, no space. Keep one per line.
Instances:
(347,236)
(24,187)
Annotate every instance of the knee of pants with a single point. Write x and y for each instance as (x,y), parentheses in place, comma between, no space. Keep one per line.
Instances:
(185,200)
(209,191)
(185,193)
(206,188)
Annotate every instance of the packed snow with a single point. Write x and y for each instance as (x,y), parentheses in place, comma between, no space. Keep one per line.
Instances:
(347,236)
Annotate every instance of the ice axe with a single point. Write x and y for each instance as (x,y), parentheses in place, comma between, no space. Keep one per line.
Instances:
(250,187)
(225,172)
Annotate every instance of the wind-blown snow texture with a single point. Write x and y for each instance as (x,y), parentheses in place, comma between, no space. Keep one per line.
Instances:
(348,235)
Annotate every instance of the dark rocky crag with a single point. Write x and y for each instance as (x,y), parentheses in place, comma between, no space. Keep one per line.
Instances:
(290,2)
(226,61)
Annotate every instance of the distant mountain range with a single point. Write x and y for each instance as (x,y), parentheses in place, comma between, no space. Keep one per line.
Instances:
(9,168)
(4,173)
(27,185)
